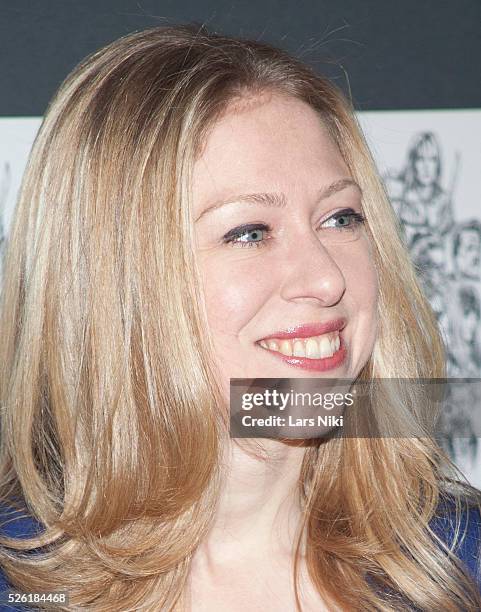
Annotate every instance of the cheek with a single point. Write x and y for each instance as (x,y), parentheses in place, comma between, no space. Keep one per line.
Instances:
(234,293)
(361,298)
(361,277)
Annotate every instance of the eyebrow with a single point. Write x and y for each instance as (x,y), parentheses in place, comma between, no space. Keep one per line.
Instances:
(278,200)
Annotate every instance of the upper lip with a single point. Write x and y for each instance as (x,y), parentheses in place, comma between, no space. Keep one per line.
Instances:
(306,330)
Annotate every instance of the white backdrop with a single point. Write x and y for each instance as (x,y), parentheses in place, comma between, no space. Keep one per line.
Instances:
(431,163)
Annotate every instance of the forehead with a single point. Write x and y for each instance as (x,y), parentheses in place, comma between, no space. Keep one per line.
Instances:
(427,147)
(267,141)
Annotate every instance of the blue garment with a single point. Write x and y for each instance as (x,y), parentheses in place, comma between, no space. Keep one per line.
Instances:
(17,527)
(443,525)
(469,551)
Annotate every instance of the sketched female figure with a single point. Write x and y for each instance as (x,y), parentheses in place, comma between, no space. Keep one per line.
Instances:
(422,204)
(465,346)
(466,250)
(192,202)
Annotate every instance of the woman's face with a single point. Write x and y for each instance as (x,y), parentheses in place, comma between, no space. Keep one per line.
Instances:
(427,164)
(288,275)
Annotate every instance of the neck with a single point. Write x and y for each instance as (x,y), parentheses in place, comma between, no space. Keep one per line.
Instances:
(258,512)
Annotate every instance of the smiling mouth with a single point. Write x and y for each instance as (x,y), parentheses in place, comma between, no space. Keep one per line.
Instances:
(314,347)
(314,353)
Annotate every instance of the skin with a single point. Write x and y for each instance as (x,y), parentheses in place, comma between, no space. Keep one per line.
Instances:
(303,274)
(278,144)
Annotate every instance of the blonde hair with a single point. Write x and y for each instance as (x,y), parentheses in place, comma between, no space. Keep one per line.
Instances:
(112,422)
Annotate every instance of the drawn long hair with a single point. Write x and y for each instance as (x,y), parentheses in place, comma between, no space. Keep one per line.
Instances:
(112,421)
(420,142)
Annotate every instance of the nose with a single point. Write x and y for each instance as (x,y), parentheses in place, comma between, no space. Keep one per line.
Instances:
(312,274)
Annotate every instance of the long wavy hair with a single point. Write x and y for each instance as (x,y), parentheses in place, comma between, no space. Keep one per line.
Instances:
(419,144)
(112,424)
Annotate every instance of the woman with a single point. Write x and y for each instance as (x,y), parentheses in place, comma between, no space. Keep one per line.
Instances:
(194,205)
(423,205)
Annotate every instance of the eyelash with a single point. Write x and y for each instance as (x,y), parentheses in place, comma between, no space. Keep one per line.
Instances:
(232,236)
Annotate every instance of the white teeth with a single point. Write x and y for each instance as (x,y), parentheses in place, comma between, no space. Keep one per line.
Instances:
(298,350)
(312,349)
(316,347)
(325,347)
(286,348)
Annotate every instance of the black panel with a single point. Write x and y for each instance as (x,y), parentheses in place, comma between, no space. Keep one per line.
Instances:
(395,55)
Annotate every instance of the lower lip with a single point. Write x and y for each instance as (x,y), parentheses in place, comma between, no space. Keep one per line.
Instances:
(314,365)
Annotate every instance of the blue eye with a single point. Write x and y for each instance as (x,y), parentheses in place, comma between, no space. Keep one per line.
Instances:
(344,219)
(257,234)
(251,235)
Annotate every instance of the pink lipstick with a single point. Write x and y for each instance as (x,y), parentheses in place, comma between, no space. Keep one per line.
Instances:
(306,330)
